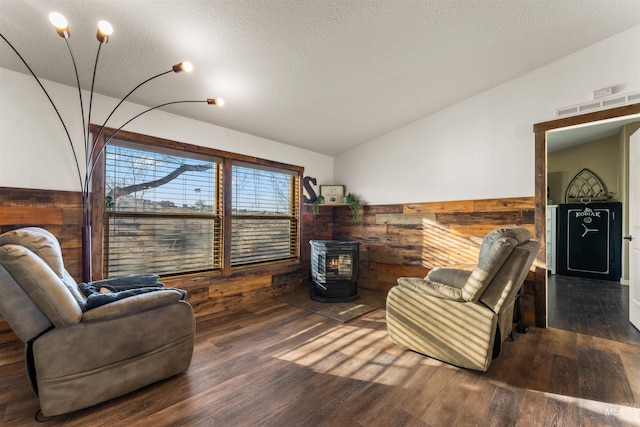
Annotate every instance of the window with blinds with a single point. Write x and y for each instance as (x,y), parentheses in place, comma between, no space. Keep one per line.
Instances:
(264,225)
(163,210)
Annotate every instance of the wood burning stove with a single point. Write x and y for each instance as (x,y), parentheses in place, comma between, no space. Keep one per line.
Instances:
(334,270)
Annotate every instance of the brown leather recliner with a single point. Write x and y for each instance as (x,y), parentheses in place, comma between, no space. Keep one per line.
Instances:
(462,316)
(78,357)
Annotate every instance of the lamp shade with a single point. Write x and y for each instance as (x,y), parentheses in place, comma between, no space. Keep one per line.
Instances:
(215,101)
(185,66)
(104,31)
(60,23)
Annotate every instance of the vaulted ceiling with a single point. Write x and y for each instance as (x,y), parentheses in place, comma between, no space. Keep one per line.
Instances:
(324,75)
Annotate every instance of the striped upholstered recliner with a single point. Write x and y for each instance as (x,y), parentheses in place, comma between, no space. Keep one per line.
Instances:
(462,316)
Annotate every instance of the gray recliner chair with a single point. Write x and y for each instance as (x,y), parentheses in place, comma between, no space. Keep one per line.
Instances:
(78,357)
(462,316)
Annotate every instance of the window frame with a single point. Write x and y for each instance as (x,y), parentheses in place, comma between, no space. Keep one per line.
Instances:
(292,217)
(226,161)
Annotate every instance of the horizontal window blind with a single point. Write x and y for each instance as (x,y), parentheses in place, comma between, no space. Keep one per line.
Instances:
(264,215)
(140,180)
(162,245)
(162,211)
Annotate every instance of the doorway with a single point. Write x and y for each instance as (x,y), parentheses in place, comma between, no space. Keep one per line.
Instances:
(584,290)
(541,130)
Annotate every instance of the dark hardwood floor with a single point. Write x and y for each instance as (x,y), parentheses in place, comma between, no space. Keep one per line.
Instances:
(272,364)
(592,307)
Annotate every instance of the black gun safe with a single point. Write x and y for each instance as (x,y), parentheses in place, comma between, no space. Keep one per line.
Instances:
(590,240)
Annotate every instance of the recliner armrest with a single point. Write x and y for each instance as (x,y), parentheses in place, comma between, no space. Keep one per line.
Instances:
(131,305)
(451,276)
(429,287)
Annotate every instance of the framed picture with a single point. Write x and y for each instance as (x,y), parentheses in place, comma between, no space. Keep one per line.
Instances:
(332,194)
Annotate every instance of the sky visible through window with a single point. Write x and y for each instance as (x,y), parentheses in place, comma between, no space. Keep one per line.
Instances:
(137,179)
(260,191)
(142,180)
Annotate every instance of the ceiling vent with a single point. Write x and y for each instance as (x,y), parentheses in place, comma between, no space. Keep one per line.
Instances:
(599,104)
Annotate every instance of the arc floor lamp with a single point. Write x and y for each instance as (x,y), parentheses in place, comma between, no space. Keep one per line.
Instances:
(93,150)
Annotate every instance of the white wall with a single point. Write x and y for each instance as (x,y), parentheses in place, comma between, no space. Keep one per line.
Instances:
(35,151)
(483,147)
(480,148)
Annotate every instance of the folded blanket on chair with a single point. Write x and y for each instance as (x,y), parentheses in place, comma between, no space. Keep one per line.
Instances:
(97,296)
(123,283)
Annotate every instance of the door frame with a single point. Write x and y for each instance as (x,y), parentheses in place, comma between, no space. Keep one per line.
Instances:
(634,216)
(540,131)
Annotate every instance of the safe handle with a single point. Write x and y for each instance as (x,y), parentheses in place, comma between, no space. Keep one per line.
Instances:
(629,237)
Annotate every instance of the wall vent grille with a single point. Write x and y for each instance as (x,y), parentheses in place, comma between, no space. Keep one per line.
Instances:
(600,104)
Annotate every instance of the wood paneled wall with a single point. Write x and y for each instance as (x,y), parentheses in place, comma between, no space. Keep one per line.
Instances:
(61,213)
(411,239)
(396,240)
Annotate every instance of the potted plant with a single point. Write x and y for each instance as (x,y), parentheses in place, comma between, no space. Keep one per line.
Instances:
(314,205)
(354,204)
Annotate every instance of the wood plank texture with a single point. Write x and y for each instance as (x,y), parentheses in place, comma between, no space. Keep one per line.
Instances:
(272,364)
(61,213)
(396,240)
(592,307)
(411,239)
(57,211)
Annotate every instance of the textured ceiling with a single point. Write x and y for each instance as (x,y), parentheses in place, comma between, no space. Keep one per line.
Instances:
(325,75)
